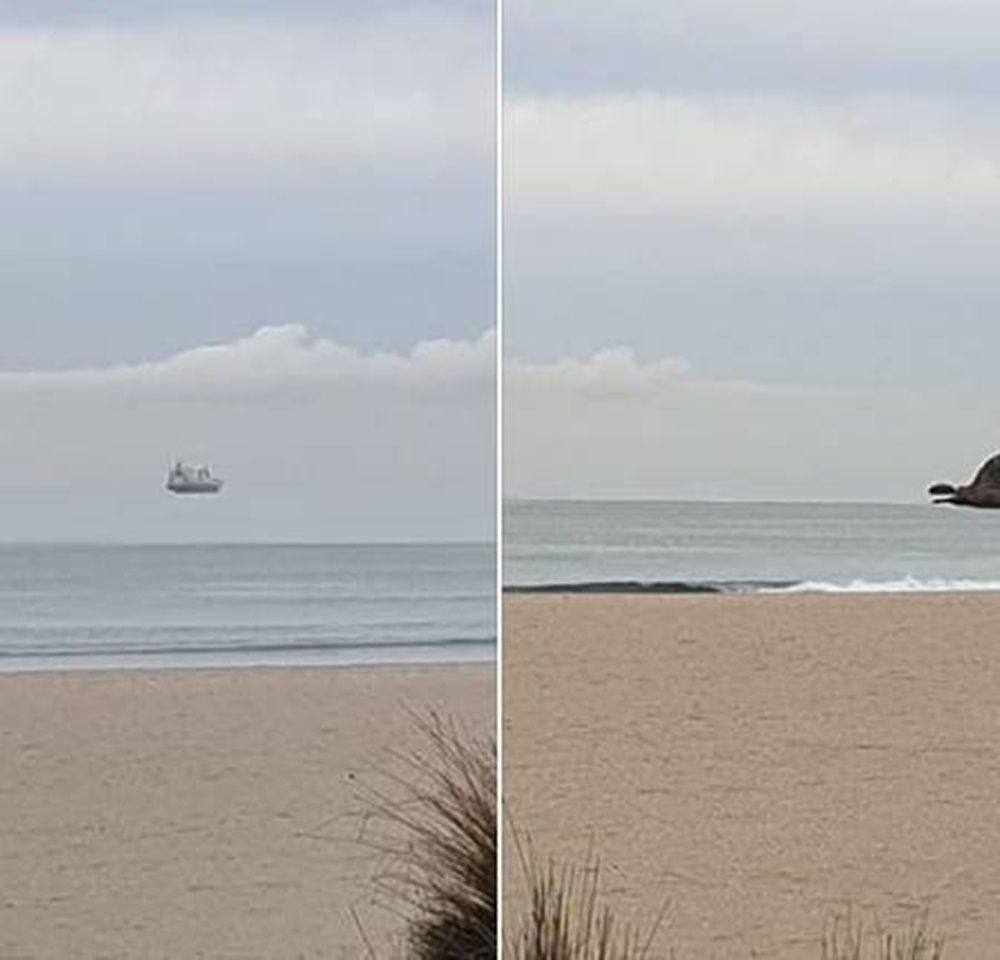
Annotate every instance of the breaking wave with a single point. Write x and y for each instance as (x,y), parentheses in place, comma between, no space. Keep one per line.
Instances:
(902,585)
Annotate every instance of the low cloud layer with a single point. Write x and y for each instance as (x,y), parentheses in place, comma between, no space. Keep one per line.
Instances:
(767,44)
(317,442)
(836,241)
(649,157)
(612,426)
(780,192)
(798,199)
(129,11)
(274,362)
(233,97)
(184,173)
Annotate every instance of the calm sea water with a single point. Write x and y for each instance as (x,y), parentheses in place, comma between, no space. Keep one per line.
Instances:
(675,546)
(109,606)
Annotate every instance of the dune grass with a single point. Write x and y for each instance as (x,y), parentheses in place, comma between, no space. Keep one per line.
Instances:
(441,843)
(565,919)
(845,938)
(442,876)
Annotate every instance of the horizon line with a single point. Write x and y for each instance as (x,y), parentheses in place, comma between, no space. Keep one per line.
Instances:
(89,542)
(760,500)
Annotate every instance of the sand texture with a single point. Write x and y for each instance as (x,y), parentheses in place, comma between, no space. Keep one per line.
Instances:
(202,813)
(761,760)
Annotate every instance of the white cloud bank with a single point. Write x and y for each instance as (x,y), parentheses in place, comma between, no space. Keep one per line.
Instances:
(613,426)
(274,362)
(317,442)
(225,96)
(746,230)
(650,155)
(783,191)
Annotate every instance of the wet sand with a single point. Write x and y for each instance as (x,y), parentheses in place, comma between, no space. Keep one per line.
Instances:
(760,761)
(215,813)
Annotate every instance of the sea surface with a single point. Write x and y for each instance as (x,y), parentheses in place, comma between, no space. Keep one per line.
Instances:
(73,606)
(673,546)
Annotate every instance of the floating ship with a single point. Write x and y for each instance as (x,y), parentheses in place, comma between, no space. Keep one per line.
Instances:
(186,478)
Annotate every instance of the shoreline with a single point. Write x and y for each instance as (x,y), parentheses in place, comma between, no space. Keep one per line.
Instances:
(238,667)
(763,588)
(166,813)
(761,760)
(16,664)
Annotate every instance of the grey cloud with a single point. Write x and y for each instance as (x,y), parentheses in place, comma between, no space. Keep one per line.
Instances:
(211,100)
(799,199)
(77,12)
(847,243)
(317,441)
(376,259)
(186,175)
(170,181)
(770,45)
(685,435)
(902,305)
(740,157)
(607,374)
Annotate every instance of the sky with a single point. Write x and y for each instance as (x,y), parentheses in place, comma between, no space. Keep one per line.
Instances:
(749,247)
(255,233)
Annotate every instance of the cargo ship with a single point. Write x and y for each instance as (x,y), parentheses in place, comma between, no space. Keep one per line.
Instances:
(186,478)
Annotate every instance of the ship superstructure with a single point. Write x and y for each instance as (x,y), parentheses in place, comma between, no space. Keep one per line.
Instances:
(192,478)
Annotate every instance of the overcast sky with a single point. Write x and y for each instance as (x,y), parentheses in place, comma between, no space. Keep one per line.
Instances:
(797,199)
(306,186)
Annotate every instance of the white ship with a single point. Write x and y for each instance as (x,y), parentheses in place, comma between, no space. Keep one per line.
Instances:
(186,478)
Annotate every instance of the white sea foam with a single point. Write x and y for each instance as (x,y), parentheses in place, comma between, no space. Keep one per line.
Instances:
(904,585)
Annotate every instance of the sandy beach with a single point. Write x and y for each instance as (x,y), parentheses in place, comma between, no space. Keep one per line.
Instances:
(759,761)
(213,813)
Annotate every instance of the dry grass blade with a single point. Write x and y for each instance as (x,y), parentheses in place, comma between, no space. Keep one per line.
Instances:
(915,943)
(441,840)
(565,920)
(844,939)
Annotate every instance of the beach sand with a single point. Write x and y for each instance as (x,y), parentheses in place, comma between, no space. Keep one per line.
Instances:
(759,761)
(204,813)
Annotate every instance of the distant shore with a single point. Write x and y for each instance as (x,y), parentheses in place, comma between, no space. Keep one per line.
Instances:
(184,813)
(758,761)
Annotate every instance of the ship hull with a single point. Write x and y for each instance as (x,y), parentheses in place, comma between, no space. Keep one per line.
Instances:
(188,488)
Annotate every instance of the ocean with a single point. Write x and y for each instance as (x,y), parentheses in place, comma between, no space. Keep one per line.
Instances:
(672,546)
(75,606)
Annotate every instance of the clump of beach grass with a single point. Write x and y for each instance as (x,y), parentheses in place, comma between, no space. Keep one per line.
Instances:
(440,815)
(441,812)
(565,919)
(845,939)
